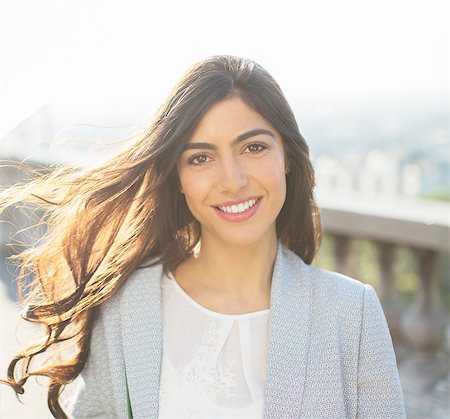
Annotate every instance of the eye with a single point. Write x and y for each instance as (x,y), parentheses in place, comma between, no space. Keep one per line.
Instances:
(256,148)
(197,159)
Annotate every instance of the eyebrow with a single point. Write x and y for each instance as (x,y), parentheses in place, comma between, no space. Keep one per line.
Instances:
(237,140)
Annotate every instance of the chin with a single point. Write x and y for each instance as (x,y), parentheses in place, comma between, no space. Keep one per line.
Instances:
(244,239)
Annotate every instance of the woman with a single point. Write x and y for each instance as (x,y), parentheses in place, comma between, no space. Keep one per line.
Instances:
(176,278)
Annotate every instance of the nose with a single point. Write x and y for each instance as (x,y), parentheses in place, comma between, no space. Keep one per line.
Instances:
(232,177)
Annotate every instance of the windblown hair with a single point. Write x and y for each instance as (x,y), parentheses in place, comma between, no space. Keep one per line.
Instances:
(106,221)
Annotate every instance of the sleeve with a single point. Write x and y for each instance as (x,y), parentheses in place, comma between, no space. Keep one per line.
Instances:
(379,390)
(89,399)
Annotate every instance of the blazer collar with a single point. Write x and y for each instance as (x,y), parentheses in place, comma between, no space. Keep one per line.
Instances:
(289,332)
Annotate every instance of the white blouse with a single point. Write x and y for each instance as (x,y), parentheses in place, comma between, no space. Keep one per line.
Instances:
(213,364)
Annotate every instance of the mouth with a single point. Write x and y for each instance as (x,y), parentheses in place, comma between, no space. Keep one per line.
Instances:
(237,207)
(240,212)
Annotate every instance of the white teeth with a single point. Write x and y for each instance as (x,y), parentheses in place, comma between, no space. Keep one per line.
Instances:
(243,206)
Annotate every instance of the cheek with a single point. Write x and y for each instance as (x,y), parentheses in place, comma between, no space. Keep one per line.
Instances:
(279,183)
(194,187)
(276,181)
(274,172)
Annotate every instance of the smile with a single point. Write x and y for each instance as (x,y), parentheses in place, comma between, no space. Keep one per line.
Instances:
(240,212)
(241,207)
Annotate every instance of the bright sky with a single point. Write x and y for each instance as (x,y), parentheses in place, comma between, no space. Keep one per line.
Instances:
(129,54)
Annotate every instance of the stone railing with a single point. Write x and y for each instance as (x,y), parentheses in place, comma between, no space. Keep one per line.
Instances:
(420,328)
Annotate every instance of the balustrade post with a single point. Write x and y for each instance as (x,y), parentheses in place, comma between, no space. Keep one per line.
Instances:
(388,294)
(423,324)
(341,252)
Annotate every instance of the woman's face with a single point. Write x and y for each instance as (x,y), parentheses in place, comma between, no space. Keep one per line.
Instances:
(232,173)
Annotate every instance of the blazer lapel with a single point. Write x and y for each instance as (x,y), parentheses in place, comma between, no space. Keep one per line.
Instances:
(289,331)
(142,340)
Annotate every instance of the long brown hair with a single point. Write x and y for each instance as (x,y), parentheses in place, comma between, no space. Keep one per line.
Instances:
(106,221)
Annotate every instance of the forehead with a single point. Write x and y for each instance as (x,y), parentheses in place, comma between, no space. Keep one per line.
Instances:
(227,119)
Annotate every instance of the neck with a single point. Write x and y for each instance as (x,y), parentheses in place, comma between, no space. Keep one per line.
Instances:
(242,271)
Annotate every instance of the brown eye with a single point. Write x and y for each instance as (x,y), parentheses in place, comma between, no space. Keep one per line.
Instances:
(197,159)
(256,148)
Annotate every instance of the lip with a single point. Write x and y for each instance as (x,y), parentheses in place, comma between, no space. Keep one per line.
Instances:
(238,217)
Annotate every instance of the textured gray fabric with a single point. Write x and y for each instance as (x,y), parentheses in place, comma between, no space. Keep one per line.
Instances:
(330,351)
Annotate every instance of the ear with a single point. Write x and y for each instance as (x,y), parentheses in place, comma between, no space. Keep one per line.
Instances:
(287,167)
(287,163)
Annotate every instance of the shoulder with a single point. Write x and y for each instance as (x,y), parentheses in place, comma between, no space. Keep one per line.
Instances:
(330,291)
(139,291)
(331,283)
(141,284)
(340,305)
(136,301)
(341,296)
(322,280)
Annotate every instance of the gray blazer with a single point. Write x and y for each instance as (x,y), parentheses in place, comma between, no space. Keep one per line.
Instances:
(330,351)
